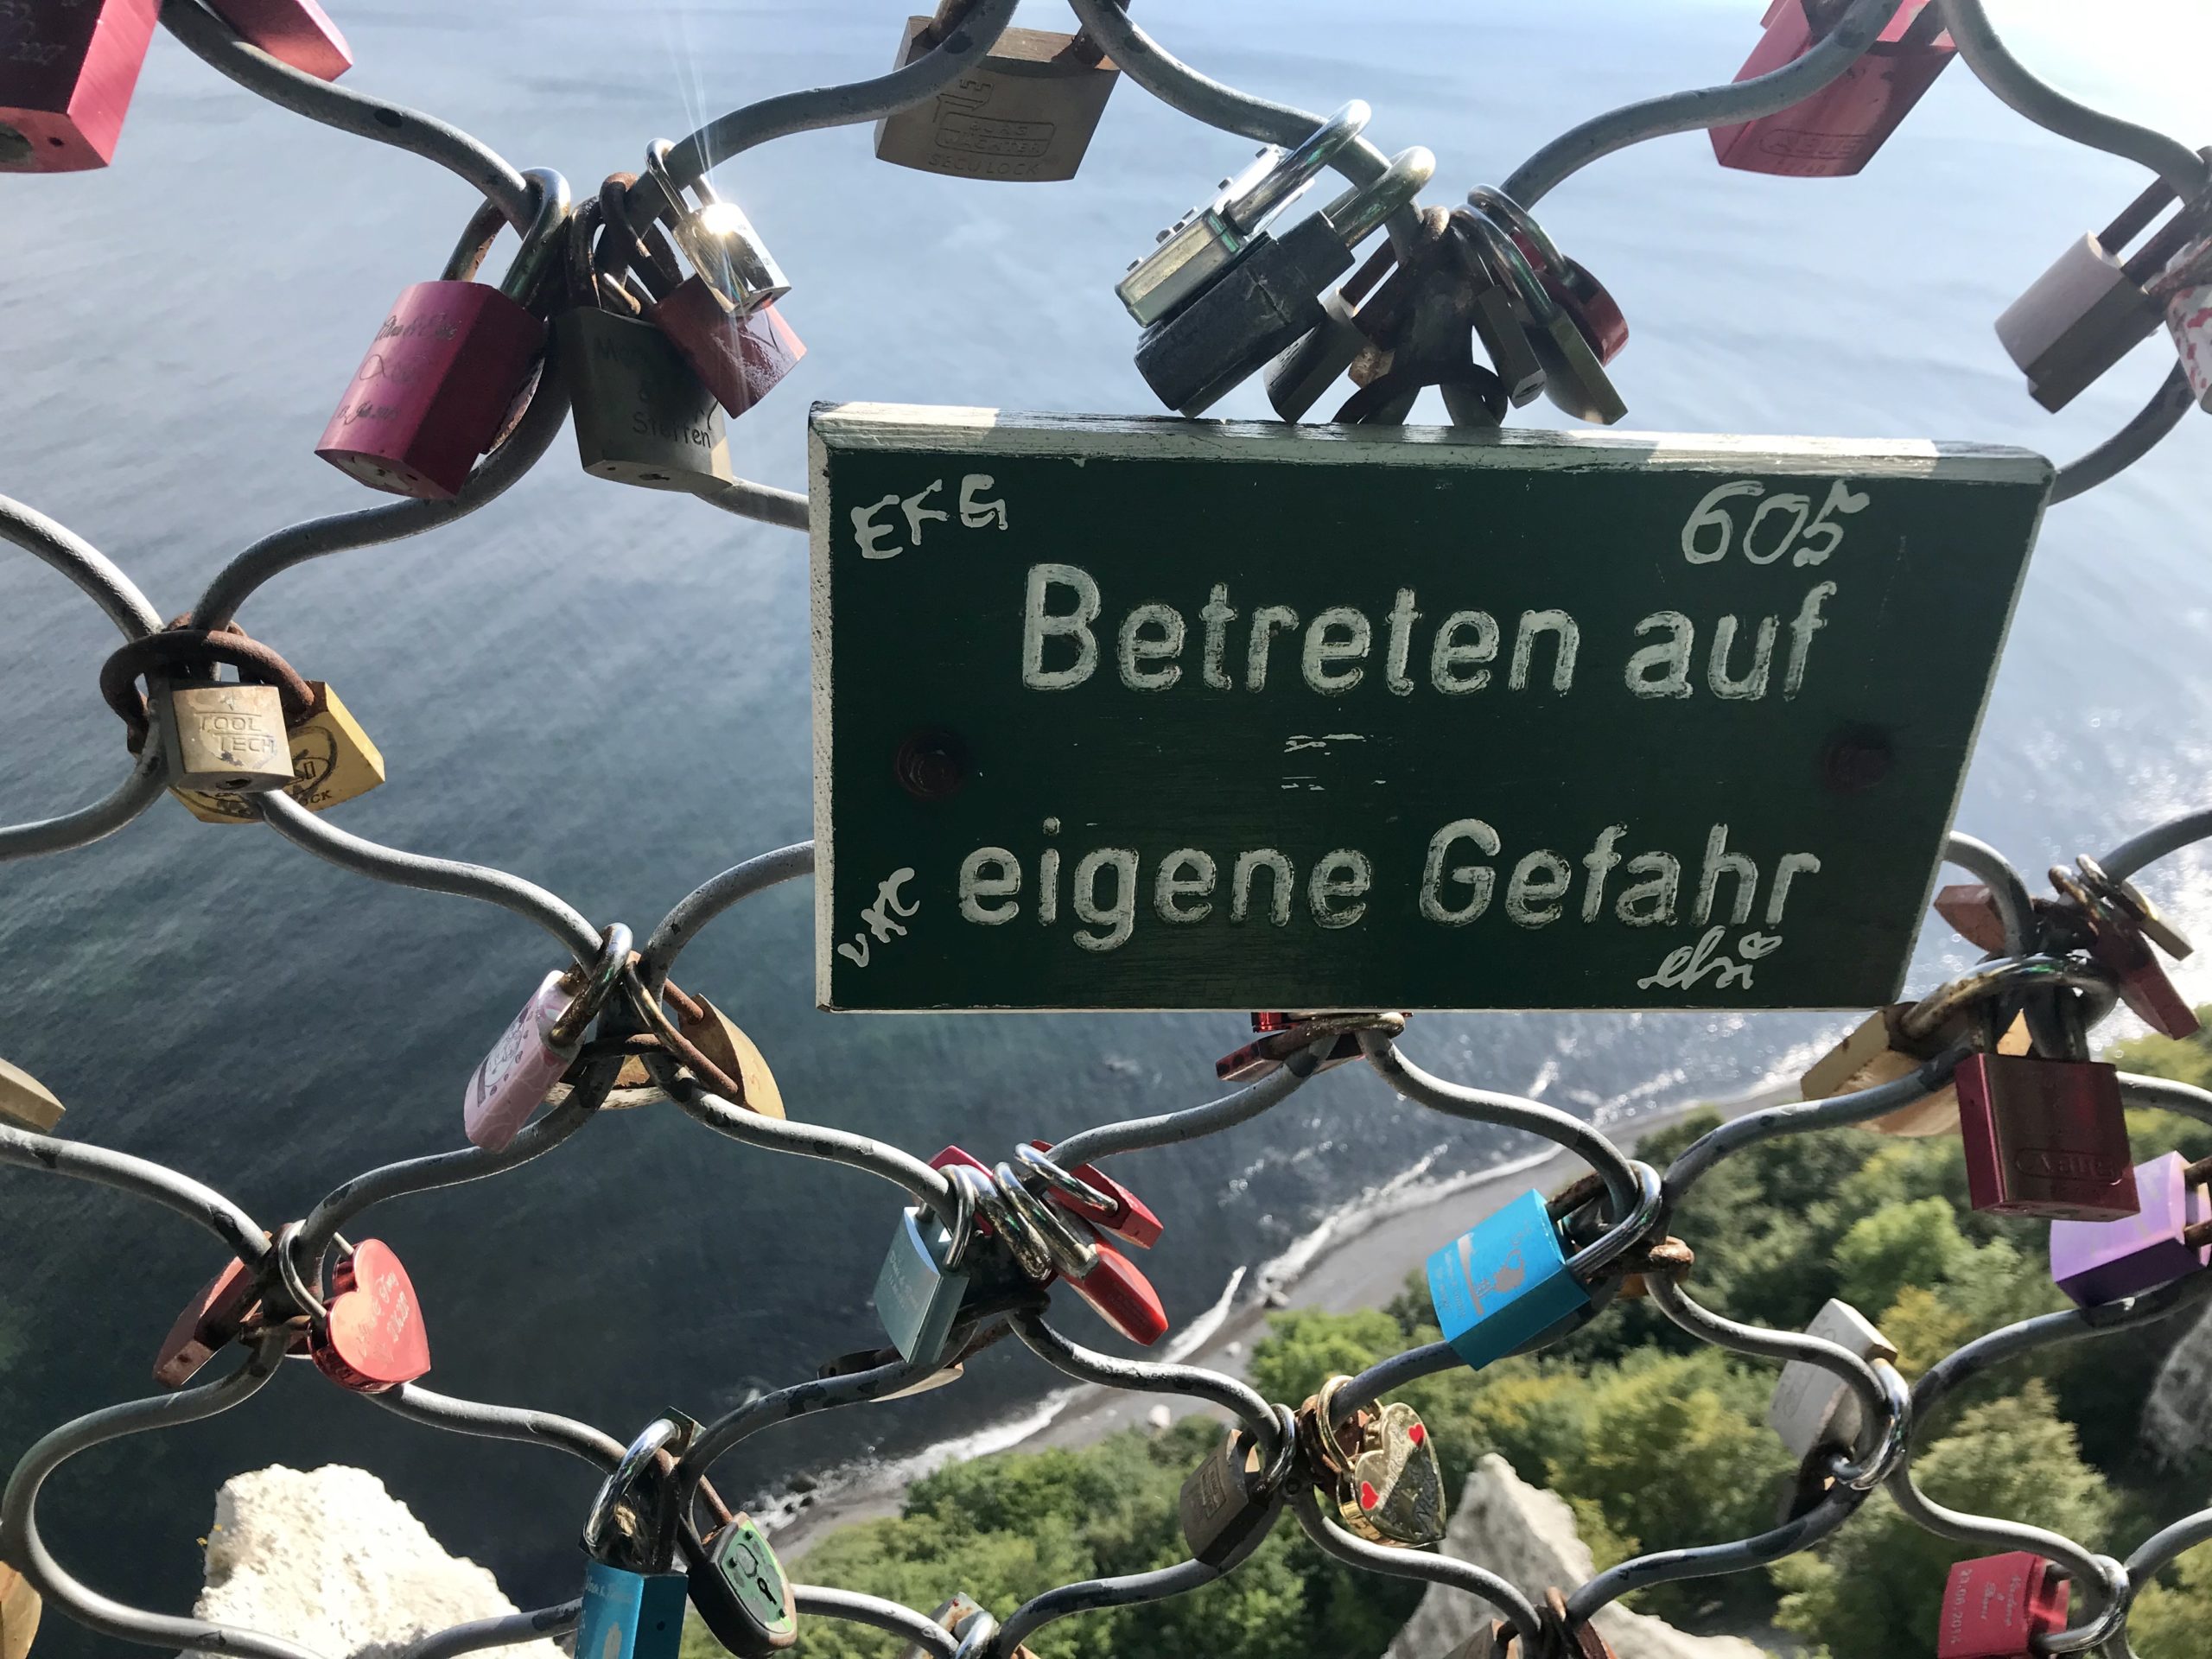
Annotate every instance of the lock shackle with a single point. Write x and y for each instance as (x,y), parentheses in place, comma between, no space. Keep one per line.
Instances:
(1282,1460)
(1511,217)
(1359,211)
(975,1633)
(960,1233)
(1625,1233)
(617,1493)
(593,988)
(1863,1473)
(1296,168)
(657,154)
(1071,1254)
(625,246)
(292,1280)
(719,241)
(539,242)
(1025,1244)
(1034,1162)
(1482,239)
(1991,979)
(2132,901)
(587,287)
(196,649)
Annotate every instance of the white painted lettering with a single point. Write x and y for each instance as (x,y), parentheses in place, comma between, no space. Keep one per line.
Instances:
(1240,879)
(1169,886)
(1118,919)
(1556,623)
(1478,878)
(1137,650)
(1447,656)
(1343,874)
(1321,650)
(1671,658)
(1038,624)
(1538,878)
(976,887)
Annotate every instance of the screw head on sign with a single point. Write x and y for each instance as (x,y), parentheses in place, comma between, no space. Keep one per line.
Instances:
(931,764)
(1856,758)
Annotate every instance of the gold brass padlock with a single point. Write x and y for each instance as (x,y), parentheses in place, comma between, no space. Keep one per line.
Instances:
(19,1610)
(716,1035)
(228,737)
(26,1101)
(333,761)
(1024,114)
(1879,1052)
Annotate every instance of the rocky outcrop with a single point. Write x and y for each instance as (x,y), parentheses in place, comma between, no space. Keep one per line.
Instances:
(2177,1417)
(1528,1535)
(330,1560)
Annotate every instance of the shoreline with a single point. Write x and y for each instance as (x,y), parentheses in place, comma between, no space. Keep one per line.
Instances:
(1356,1258)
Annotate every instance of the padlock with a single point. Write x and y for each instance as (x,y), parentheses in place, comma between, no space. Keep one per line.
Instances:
(2189,318)
(1024,114)
(20,1607)
(371,1337)
(1835,132)
(1229,1501)
(1124,1214)
(1575,373)
(26,1102)
(1278,1036)
(1814,1410)
(632,1604)
(1270,294)
(1996,1606)
(210,1322)
(514,1076)
(1880,1051)
(1512,358)
(227,738)
(718,1037)
(2109,927)
(1386,1483)
(920,1289)
(67,68)
(725,251)
(2090,309)
(449,361)
(740,1590)
(295,32)
(1563,1637)
(2168,1236)
(1597,315)
(1503,1283)
(641,415)
(333,761)
(2044,1137)
(1205,241)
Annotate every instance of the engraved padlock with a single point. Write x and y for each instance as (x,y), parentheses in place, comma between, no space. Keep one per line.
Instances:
(1834,132)
(2185,290)
(2044,1137)
(67,69)
(2090,309)
(228,736)
(295,32)
(641,415)
(449,363)
(333,761)
(1024,114)
(535,1048)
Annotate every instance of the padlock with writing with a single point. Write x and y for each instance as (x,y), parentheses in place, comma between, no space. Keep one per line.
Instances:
(1574,368)
(740,356)
(2168,1236)
(739,1588)
(2090,309)
(513,1077)
(1205,241)
(1813,1409)
(1835,132)
(641,415)
(1996,1606)
(228,738)
(449,361)
(295,32)
(333,761)
(67,69)
(369,1337)
(1270,295)
(633,1603)
(26,1102)
(1229,1502)
(2044,1137)
(1504,1283)
(1378,1465)
(1881,1050)
(1024,114)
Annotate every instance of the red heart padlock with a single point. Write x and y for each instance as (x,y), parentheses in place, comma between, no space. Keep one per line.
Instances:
(373,1338)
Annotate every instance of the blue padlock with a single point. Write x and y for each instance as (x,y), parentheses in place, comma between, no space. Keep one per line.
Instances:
(631,1615)
(1504,1283)
(921,1288)
(633,1603)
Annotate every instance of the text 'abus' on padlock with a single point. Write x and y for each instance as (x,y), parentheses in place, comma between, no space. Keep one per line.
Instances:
(228,738)
(1503,1283)
(449,362)
(1025,114)
(295,32)
(2168,1236)
(641,415)
(537,1045)
(1835,131)
(1814,1408)
(67,68)
(2045,1138)
(2090,309)
(333,761)
(1995,1607)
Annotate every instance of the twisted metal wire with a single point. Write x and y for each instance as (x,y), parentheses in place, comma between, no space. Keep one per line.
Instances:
(1640,1201)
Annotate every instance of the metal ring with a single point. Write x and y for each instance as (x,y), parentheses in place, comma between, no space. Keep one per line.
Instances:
(1993,978)
(1285,1459)
(2120,1596)
(1026,1249)
(613,1491)
(1297,167)
(961,1233)
(1891,1444)
(605,970)
(1072,1254)
(1053,1176)
(1626,1233)
(1508,263)
(1368,205)
(1493,203)
(981,1627)
(1324,1420)
(288,1273)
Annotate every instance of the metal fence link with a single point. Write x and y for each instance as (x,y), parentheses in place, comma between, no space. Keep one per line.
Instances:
(1624,1206)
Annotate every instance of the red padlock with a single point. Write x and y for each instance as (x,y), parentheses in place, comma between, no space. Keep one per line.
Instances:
(295,32)
(1995,1607)
(741,359)
(449,363)
(210,1322)
(67,69)
(1836,132)
(1126,1216)
(372,1337)
(2045,1138)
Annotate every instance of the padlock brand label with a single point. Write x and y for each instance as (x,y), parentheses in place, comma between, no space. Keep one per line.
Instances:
(1145,714)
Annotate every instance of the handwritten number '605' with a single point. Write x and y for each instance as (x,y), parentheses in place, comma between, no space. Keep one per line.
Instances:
(1710,531)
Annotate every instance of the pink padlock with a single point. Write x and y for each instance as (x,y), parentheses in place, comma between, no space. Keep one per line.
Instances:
(537,1046)
(2189,318)
(295,32)
(67,69)
(1836,132)
(741,359)
(445,368)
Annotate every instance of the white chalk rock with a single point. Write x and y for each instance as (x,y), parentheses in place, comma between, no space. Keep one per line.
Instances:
(1528,1535)
(328,1559)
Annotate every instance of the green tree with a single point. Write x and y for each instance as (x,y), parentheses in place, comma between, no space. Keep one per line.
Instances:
(1914,1243)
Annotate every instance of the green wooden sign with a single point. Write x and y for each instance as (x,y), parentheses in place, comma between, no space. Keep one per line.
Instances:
(1155,714)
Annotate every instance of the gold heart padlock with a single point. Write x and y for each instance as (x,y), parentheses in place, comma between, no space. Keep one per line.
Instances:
(1391,1490)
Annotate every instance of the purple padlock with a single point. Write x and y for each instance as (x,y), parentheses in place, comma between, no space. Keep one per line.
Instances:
(2100,1262)
(538,1043)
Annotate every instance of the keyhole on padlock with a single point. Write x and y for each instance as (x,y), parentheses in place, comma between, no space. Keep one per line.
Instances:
(931,764)
(1856,758)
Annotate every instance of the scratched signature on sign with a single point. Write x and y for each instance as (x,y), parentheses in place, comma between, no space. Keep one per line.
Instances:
(1685,965)
(878,918)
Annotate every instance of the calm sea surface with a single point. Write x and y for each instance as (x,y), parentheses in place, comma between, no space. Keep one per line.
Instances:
(606,690)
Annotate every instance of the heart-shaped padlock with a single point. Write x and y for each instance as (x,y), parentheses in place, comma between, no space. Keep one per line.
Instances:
(373,1338)
(1392,1489)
